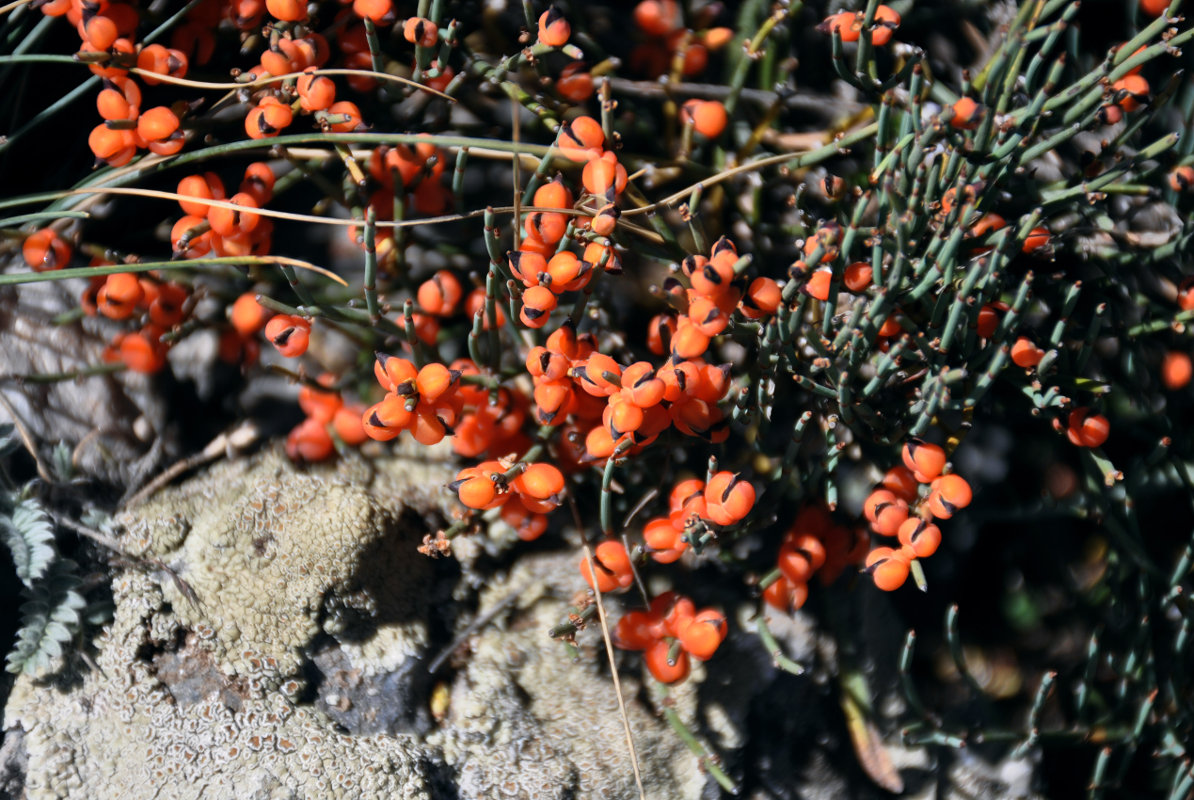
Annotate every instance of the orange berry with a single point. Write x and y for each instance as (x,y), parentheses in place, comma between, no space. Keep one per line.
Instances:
(352,116)
(922,536)
(310,441)
(989,317)
(247,315)
(599,376)
(888,568)
(143,351)
(157,124)
(604,176)
(950,494)
(380,11)
(703,634)
(1181,179)
(99,31)
(113,104)
(539,481)
(1131,92)
(785,595)
(819,283)
(289,334)
(316,92)
(554,30)
(546,226)
(233,222)
(612,567)
(420,31)
(707,117)
(45,250)
(762,299)
(268,118)
(598,255)
(434,380)
(728,498)
(901,482)
(887,19)
(386,419)
(575,83)
(1026,354)
(1154,8)
(847,24)
(1085,429)
(642,385)
(348,425)
(967,114)
(924,459)
(664,671)
(581,139)
(637,630)
(1037,239)
(320,404)
(205,187)
(440,294)
(166,307)
(857,276)
(713,277)
(1185,295)
(537,304)
(475,490)
(553,194)
(657,17)
(659,333)
(287,10)
(1176,370)
(158,59)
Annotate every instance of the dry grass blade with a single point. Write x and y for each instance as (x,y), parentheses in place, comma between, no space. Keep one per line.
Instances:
(613,671)
(365,73)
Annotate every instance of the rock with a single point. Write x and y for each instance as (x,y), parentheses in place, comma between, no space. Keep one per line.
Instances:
(524,721)
(200,674)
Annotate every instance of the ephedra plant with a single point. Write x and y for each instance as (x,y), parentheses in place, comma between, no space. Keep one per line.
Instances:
(755,333)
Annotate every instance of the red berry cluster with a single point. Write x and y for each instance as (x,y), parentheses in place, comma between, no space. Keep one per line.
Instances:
(692,507)
(813,544)
(669,632)
(325,408)
(526,497)
(896,508)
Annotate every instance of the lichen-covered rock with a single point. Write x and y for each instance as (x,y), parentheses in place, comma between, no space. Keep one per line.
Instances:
(525,721)
(264,556)
(196,691)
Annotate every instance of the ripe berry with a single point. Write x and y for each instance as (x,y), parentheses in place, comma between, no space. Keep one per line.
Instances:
(922,536)
(707,117)
(1085,429)
(701,635)
(611,564)
(888,568)
(289,334)
(554,30)
(925,460)
(950,493)
(661,668)
(1026,354)
(420,31)
(310,441)
(1176,370)
(968,113)
(728,498)
(785,595)
(45,250)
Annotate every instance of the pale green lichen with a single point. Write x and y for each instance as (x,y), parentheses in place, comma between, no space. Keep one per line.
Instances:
(525,721)
(192,695)
(267,556)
